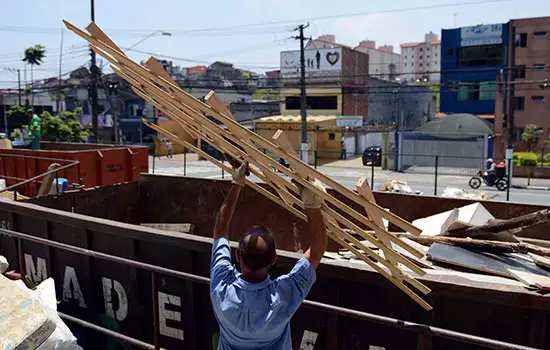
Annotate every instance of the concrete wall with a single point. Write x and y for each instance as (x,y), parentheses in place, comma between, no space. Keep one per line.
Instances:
(391,103)
(416,149)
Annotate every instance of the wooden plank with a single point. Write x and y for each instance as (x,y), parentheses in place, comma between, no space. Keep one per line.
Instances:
(155,66)
(541,261)
(93,29)
(362,187)
(241,143)
(282,141)
(217,104)
(183,228)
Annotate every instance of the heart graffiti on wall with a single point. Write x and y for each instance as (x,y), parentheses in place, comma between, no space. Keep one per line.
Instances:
(333,57)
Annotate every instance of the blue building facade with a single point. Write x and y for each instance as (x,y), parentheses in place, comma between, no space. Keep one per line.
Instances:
(471,58)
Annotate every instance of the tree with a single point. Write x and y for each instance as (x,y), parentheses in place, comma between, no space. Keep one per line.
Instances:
(63,127)
(18,110)
(531,135)
(34,56)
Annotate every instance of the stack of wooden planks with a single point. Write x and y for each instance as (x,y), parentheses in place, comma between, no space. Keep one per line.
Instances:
(212,122)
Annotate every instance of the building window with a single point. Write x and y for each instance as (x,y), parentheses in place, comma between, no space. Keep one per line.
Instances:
(468,91)
(519,103)
(487,90)
(519,72)
(540,35)
(450,52)
(331,136)
(485,55)
(476,91)
(420,57)
(421,49)
(313,102)
(537,99)
(538,67)
(521,40)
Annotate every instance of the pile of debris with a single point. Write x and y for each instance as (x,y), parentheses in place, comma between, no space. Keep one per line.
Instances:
(28,314)
(470,239)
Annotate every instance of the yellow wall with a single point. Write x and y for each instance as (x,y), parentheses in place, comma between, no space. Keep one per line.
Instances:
(319,140)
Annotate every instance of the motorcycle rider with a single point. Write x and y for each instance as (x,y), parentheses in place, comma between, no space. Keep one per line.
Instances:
(490,172)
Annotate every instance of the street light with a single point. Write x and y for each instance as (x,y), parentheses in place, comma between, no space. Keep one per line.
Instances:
(156,32)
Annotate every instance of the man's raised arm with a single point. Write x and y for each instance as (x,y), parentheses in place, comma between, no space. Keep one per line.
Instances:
(225,214)
(316,226)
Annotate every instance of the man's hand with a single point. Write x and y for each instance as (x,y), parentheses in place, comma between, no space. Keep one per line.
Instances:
(239,174)
(223,219)
(310,198)
(316,223)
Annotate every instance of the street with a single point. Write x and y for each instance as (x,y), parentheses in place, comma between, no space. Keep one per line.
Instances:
(538,193)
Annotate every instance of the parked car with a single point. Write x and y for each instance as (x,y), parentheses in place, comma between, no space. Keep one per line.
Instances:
(372,156)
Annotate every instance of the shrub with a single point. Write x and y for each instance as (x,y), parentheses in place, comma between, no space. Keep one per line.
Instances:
(528,159)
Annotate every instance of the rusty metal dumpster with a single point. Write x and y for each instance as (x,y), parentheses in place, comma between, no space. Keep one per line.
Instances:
(98,164)
(158,307)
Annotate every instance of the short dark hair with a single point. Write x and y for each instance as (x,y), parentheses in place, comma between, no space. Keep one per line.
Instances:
(257,256)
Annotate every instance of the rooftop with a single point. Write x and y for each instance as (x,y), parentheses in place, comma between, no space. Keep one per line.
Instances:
(297,119)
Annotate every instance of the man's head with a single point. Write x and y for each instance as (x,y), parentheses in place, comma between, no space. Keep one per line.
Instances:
(256,253)
(30,113)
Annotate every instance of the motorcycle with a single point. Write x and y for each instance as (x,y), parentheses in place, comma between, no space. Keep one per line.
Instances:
(498,179)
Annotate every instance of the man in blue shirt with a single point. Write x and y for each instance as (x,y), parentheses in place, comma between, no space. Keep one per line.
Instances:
(253,310)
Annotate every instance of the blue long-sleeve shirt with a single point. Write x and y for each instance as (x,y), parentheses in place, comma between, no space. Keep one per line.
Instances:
(255,315)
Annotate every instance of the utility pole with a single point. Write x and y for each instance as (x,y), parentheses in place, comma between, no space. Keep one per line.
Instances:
(93,84)
(304,147)
(510,103)
(58,102)
(112,87)
(19,86)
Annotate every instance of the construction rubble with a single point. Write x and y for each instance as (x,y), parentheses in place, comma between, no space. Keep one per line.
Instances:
(28,314)
(470,242)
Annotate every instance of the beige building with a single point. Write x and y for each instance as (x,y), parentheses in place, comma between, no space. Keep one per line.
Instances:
(421,61)
(384,63)
(325,137)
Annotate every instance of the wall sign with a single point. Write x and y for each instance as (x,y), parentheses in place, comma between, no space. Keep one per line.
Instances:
(319,63)
(489,34)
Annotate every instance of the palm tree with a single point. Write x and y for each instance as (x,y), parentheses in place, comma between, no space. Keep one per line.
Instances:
(34,56)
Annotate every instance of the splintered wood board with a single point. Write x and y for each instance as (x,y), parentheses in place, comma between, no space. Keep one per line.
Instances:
(214,124)
(516,266)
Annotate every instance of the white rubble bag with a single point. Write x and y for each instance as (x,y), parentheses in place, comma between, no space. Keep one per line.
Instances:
(62,338)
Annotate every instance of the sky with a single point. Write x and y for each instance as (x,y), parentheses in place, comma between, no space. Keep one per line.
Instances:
(248,33)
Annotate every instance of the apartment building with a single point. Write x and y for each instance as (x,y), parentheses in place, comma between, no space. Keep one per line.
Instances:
(421,61)
(529,61)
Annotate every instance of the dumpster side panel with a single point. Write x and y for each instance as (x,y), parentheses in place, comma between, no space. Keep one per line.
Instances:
(184,309)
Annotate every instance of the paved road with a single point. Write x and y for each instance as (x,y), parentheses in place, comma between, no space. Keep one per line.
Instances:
(349,176)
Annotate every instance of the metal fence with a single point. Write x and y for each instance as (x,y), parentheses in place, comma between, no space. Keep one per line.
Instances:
(421,330)
(384,166)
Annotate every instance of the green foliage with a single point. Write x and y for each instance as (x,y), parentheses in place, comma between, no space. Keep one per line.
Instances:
(18,110)
(34,55)
(267,95)
(62,127)
(530,159)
